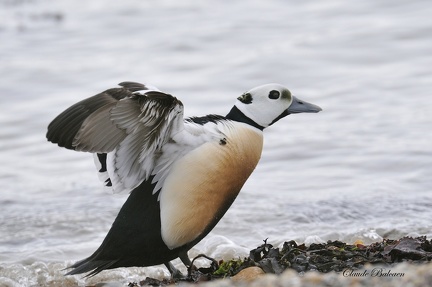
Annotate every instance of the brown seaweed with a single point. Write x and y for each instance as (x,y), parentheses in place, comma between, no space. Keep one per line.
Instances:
(324,257)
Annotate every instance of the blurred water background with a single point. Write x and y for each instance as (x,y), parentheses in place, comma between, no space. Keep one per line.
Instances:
(360,170)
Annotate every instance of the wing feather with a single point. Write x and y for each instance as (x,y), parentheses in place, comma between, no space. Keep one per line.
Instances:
(98,133)
(161,115)
(125,115)
(128,126)
(63,129)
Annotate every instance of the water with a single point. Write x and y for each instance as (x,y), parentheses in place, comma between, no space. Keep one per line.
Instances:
(361,169)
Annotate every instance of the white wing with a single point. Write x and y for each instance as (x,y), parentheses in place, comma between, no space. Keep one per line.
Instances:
(130,127)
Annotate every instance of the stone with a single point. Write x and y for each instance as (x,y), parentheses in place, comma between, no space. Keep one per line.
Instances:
(248,274)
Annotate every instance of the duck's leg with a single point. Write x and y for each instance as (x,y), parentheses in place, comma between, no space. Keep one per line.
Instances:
(175,273)
(186,261)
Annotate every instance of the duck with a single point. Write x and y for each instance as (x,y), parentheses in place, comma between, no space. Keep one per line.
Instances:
(181,173)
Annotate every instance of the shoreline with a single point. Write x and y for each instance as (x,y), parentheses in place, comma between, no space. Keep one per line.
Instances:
(414,275)
(334,260)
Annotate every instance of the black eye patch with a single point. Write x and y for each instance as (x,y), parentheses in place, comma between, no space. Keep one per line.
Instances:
(274,95)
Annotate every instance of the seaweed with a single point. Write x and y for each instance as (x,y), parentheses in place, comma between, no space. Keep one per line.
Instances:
(333,256)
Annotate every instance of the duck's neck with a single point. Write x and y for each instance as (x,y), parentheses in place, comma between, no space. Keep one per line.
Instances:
(236,115)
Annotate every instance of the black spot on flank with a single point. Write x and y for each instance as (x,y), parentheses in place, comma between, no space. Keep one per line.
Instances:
(205,119)
(274,95)
(246,98)
(223,141)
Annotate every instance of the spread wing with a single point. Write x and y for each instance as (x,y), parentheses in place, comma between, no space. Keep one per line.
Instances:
(127,125)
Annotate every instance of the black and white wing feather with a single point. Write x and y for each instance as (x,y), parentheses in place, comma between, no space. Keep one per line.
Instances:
(127,125)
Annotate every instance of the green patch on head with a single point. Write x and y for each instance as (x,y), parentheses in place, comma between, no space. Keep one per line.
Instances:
(286,94)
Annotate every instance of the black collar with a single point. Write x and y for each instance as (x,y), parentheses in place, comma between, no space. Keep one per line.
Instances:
(236,115)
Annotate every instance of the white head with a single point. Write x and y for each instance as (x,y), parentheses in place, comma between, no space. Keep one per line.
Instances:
(268,103)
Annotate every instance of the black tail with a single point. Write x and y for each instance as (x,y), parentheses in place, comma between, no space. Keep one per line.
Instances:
(88,265)
(134,238)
